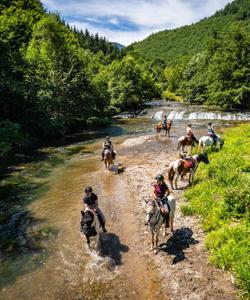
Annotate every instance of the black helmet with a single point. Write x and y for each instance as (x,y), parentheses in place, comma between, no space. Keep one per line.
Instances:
(209,123)
(189,124)
(159,177)
(88,189)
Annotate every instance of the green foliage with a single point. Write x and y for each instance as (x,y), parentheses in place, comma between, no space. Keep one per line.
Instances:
(221,197)
(54,78)
(9,134)
(207,62)
(129,84)
(167,95)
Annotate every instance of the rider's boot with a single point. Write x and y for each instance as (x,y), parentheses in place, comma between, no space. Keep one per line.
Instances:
(102,155)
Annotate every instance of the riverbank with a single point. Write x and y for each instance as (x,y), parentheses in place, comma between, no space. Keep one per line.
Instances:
(221,198)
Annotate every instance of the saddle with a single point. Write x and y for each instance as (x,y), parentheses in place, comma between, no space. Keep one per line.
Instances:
(188,163)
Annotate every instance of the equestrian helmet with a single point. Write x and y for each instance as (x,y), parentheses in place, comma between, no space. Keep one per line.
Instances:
(209,124)
(159,177)
(107,137)
(189,124)
(88,189)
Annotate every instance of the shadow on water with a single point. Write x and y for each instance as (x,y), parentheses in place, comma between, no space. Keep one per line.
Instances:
(112,247)
(179,241)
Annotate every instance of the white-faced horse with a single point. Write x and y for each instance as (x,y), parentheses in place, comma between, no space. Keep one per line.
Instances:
(90,227)
(108,159)
(180,167)
(155,218)
(209,141)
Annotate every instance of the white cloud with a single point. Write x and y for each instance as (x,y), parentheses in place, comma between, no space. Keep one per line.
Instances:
(114,21)
(147,15)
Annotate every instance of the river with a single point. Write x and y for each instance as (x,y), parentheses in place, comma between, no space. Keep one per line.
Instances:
(51,260)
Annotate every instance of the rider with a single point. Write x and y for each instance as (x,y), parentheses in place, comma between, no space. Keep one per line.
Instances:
(161,192)
(107,144)
(190,134)
(90,201)
(164,123)
(211,132)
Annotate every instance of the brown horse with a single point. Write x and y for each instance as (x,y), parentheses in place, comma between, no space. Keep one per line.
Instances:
(160,126)
(181,167)
(185,140)
(108,158)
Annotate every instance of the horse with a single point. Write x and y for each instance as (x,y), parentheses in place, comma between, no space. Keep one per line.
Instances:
(209,141)
(160,127)
(108,158)
(91,228)
(155,218)
(186,141)
(181,167)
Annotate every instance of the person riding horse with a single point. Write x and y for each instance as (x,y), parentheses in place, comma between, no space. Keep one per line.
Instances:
(161,192)
(108,145)
(190,134)
(211,133)
(164,123)
(90,201)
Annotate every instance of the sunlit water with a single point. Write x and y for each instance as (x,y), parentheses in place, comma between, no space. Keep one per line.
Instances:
(62,267)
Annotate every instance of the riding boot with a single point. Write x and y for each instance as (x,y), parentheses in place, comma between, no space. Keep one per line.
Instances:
(102,155)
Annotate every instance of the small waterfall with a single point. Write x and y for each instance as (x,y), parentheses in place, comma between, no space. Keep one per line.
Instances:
(159,115)
(203,115)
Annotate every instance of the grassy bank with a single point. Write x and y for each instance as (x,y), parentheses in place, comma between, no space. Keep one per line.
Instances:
(221,197)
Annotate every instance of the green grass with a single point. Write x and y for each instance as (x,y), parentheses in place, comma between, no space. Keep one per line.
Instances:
(221,197)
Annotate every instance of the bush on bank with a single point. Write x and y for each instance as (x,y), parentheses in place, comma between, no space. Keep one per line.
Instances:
(221,197)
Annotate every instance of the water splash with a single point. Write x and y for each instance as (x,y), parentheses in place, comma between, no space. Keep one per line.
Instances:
(203,115)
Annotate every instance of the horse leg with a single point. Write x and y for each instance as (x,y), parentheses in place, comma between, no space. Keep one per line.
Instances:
(176,178)
(152,240)
(191,177)
(171,221)
(165,229)
(156,241)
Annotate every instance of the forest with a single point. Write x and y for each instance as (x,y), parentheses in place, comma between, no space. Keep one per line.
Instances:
(207,62)
(55,79)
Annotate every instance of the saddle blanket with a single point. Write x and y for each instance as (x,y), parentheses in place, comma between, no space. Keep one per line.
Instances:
(188,163)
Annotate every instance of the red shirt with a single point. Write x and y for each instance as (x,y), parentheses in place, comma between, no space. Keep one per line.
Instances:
(160,190)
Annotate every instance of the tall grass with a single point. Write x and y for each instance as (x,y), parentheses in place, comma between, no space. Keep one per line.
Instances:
(221,196)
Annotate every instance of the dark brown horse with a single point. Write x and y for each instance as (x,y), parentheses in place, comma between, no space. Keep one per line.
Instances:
(185,140)
(181,167)
(161,126)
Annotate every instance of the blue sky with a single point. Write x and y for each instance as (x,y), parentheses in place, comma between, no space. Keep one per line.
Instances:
(132,20)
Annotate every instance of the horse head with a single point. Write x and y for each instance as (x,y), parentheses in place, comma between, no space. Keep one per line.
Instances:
(87,218)
(150,210)
(203,157)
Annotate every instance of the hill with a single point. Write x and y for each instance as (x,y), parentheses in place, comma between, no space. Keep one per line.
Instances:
(178,45)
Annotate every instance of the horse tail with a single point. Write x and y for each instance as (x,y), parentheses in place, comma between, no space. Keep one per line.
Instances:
(171,173)
(178,145)
(200,146)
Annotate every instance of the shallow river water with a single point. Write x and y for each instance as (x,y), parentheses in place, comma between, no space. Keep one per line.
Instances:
(62,267)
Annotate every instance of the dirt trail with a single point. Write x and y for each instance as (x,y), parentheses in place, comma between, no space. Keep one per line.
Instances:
(182,262)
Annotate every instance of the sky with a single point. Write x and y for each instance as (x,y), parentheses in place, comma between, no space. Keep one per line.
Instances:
(128,21)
